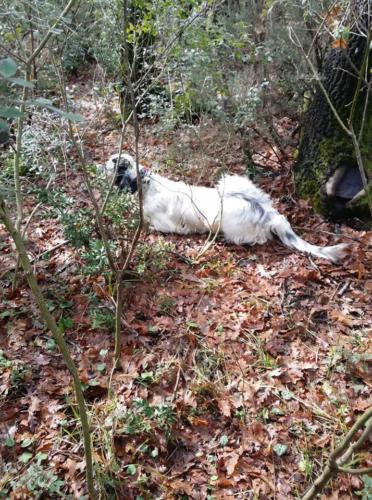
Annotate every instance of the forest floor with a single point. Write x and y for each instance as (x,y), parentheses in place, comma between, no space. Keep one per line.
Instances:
(240,369)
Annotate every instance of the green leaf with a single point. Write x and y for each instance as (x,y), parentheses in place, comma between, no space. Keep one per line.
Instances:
(50,345)
(4,126)
(9,442)
(8,67)
(67,322)
(10,112)
(287,395)
(25,457)
(93,383)
(143,448)
(72,117)
(131,469)
(280,449)
(26,442)
(192,325)
(22,83)
(224,440)
(276,411)
(101,367)
(41,101)
(155,453)
(40,457)
(367,481)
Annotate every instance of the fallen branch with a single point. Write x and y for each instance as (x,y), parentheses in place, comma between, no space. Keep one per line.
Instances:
(336,461)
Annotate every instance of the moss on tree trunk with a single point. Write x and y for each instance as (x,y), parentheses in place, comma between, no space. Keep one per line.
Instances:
(325,148)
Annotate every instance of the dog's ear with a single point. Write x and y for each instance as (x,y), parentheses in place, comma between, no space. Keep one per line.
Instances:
(126,183)
(133,185)
(123,167)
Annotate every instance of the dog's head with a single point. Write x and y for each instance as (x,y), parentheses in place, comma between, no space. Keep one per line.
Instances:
(126,174)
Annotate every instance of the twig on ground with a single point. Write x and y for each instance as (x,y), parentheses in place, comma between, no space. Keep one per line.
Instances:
(339,456)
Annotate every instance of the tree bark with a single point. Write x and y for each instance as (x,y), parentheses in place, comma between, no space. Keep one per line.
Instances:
(327,170)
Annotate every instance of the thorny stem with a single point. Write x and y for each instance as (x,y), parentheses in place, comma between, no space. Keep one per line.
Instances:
(58,337)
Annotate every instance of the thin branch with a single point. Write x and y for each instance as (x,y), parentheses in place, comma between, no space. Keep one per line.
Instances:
(112,182)
(12,54)
(50,32)
(83,169)
(320,83)
(18,153)
(358,155)
(360,77)
(58,337)
(24,230)
(171,42)
(323,22)
(34,259)
(357,472)
(335,461)
(119,301)
(20,123)
(364,116)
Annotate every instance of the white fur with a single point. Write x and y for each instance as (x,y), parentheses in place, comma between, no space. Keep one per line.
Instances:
(236,208)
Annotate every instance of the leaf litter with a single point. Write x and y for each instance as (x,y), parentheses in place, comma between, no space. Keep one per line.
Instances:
(243,369)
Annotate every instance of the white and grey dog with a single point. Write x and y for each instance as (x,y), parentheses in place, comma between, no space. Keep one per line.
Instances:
(238,209)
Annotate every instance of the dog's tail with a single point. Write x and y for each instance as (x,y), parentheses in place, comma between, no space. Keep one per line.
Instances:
(281,227)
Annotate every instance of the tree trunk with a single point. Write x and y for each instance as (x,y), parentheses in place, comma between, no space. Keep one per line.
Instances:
(327,172)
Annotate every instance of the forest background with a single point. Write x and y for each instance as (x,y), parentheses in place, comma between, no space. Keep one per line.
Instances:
(139,365)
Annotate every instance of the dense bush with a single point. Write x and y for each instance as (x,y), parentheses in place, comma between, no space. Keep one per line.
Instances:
(233,61)
(235,64)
